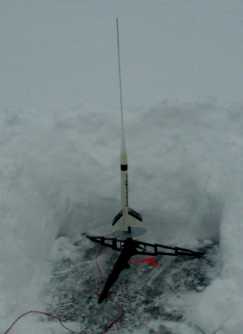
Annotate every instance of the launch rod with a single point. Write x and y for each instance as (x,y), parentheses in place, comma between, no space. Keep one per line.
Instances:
(123,143)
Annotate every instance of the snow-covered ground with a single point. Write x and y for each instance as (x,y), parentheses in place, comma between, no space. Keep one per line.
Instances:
(60,177)
(59,161)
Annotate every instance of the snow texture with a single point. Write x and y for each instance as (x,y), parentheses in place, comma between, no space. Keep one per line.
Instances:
(183,181)
(144,294)
(59,161)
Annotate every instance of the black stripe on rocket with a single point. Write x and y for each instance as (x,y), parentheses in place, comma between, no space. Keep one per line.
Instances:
(124,168)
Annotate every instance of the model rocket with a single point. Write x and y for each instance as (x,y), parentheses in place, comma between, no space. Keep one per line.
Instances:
(126,217)
(128,220)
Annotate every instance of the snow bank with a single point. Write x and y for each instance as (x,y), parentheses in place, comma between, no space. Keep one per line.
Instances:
(60,176)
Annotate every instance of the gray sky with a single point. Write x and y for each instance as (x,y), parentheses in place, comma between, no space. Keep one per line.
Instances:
(58,53)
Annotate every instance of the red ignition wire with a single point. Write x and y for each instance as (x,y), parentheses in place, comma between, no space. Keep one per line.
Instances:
(150,260)
(115,321)
(50,315)
(42,313)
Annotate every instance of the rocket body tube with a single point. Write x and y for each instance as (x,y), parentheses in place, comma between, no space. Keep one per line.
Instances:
(126,217)
(124,193)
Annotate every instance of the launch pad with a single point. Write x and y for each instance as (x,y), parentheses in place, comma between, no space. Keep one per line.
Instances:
(130,247)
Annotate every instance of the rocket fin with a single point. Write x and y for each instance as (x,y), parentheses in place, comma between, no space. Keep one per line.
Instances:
(135,214)
(117,217)
(133,219)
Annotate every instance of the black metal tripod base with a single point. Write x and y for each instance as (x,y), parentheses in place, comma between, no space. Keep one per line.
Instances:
(130,247)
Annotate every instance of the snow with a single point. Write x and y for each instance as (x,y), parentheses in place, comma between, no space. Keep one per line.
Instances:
(59,145)
(185,185)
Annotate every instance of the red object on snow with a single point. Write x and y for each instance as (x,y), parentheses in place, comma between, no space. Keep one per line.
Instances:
(150,260)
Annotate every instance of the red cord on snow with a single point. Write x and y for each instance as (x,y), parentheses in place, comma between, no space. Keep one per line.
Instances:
(115,321)
(149,260)
(50,315)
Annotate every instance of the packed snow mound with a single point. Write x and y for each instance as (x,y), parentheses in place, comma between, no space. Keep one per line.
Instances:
(60,177)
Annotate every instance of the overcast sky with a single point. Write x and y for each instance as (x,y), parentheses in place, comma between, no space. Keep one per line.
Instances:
(59,53)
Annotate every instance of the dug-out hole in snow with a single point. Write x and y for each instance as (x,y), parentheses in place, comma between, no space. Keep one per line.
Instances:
(211,218)
(94,214)
(143,294)
(184,212)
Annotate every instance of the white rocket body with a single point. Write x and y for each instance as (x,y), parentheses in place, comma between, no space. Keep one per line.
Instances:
(126,217)
(124,186)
